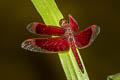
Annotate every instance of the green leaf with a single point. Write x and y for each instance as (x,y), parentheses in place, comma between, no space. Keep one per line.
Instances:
(51,16)
(114,77)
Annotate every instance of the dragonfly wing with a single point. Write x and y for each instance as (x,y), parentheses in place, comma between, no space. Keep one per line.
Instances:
(42,29)
(84,38)
(73,23)
(46,45)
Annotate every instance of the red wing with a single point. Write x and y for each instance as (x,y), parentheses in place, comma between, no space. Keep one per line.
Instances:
(43,29)
(84,38)
(73,23)
(46,45)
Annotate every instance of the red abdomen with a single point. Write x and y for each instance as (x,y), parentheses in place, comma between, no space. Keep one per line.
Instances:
(76,56)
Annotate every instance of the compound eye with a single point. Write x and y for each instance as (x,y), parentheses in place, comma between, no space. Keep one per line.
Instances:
(62,22)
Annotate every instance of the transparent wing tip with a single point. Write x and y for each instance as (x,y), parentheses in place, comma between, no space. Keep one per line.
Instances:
(29,27)
(69,15)
(96,31)
(27,44)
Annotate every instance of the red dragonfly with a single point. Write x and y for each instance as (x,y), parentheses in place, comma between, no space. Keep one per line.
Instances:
(67,38)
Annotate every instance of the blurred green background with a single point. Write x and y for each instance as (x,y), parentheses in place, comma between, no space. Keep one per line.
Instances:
(101,59)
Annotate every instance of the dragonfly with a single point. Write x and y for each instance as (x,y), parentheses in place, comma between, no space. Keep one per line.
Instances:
(67,37)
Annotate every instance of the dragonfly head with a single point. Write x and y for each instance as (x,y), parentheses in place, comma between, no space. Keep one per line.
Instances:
(64,23)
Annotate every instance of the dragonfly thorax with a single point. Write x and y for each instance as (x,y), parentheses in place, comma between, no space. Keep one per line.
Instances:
(69,34)
(68,30)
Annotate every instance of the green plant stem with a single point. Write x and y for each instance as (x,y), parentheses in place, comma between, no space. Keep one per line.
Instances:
(51,16)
